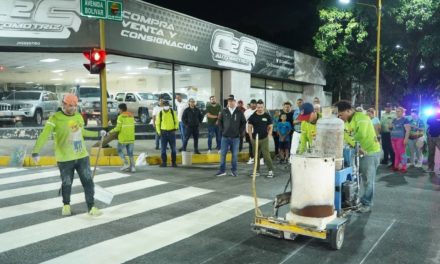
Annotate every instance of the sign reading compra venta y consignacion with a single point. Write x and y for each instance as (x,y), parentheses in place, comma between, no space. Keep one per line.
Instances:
(158,32)
(140,27)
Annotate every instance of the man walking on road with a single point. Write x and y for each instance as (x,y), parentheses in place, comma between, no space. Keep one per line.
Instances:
(67,127)
(213,110)
(166,126)
(260,123)
(191,119)
(232,124)
(364,133)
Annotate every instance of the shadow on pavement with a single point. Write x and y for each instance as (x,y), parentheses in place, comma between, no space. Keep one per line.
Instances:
(394,179)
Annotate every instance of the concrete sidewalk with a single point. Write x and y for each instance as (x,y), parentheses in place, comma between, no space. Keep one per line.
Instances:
(143,145)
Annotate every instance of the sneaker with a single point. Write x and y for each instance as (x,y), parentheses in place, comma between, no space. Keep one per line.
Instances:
(125,167)
(364,209)
(219,152)
(251,161)
(95,212)
(132,169)
(233,173)
(66,210)
(181,149)
(163,165)
(197,152)
(261,161)
(220,174)
(270,174)
(208,152)
(174,165)
(256,174)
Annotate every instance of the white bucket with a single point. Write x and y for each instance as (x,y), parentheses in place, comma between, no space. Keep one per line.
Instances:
(103,195)
(187,158)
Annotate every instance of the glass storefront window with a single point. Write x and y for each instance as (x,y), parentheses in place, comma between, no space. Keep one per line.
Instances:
(197,83)
(257,82)
(292,87)
(275,85)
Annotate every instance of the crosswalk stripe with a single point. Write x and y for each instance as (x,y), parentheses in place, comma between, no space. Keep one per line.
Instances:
(29,177)
(130,246)
(35,233)
(56,185)
(8,170)
(41,205)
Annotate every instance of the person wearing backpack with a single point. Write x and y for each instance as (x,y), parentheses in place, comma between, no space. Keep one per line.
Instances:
(166,126)
(125,131)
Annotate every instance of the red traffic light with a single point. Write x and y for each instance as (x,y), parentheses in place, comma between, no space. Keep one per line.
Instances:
(96,58)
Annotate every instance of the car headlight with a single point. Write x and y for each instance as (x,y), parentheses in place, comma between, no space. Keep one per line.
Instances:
(28,105)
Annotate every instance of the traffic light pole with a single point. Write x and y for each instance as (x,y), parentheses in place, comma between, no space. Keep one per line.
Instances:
(103,78)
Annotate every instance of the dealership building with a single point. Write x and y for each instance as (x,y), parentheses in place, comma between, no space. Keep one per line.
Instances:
(151,50)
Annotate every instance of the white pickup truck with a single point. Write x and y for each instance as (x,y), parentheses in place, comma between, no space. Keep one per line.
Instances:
(141,104)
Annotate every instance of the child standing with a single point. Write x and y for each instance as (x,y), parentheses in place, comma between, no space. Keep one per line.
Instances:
(284,128)
(125,130)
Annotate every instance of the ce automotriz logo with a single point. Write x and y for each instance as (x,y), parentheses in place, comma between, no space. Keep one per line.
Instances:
(233,52)
(50,19)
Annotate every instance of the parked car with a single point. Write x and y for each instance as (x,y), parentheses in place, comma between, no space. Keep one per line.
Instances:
(139,103)
(90,104)
(168,96)
(28,105)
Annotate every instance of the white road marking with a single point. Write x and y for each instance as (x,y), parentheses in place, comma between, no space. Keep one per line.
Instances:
(56,185)
(35,233)
(9,170)
(377,242)
(130,246)
(47,204)
(30,177)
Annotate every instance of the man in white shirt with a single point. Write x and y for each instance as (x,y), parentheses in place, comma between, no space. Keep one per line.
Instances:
(180,107)
(250,111)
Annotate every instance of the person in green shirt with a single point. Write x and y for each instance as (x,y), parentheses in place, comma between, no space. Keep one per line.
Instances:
(385,123)
(308,118)
(67,128)
(166,126)
(125,131)
(362,131)
(213,110)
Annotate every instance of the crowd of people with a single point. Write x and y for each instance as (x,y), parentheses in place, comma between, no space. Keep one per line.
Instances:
(394,133)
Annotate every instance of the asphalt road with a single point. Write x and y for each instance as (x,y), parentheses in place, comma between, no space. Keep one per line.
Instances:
(186,215)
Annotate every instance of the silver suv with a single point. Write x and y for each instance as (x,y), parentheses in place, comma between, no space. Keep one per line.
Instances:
(33,105)
(90,104)
(141,104)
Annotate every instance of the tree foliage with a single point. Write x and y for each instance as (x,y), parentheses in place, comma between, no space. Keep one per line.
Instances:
(410,50)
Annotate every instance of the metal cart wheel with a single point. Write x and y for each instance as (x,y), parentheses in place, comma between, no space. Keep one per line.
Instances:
(337,237)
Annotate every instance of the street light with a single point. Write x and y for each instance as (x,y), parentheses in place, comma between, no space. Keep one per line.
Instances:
(378,9)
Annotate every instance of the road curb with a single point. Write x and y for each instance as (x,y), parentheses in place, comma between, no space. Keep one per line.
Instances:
(116,161)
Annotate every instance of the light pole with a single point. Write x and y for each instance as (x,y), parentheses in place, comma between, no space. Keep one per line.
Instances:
(378,9)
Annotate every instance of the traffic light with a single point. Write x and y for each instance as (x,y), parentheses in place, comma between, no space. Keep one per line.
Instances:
(96,58)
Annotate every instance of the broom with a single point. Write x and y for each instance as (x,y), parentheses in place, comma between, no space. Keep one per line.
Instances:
(101,194)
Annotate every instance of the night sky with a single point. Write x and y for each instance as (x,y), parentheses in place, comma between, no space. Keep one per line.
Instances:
(288,23)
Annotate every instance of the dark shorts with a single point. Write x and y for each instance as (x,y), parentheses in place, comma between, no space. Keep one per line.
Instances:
(284,144)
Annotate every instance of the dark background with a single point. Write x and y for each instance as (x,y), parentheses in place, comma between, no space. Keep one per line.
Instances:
(287,23)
